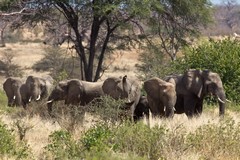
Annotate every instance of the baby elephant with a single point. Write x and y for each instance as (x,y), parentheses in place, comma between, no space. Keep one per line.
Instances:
(161,96)
(141,109)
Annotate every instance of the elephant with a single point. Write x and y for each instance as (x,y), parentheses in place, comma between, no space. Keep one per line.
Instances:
(11,87)
(124,88)
(142,108)
(35,88)
(161,96)
(193,86)
(75,91)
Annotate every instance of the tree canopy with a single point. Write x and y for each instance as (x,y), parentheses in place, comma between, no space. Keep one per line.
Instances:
(97,27)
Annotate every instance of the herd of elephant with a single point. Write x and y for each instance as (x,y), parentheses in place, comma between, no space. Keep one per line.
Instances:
(174,94)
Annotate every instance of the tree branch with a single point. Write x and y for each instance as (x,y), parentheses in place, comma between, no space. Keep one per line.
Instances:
(13,13)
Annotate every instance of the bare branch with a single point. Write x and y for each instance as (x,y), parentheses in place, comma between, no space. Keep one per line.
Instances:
(13,13)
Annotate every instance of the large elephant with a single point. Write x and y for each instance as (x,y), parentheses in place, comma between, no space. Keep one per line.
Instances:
(12,89)
(161,96)
(124,88)
(35,88)
(193,86)
(75,91)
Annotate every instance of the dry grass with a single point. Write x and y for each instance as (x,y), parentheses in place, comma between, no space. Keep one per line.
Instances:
(37,135)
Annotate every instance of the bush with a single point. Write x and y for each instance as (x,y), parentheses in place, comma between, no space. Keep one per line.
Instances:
(10,147)
(62,146)
(109,109)
(8,67)
(138,141)
(221,57)
(60,64)
(216,140)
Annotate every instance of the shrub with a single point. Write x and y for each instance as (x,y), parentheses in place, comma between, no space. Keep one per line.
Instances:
(60,64)
(10,147)
(221,57)
(109,109)
(63,146)
(8,67)
(216,140)
(96,137)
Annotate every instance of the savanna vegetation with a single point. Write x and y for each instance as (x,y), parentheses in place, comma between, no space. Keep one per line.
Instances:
(101,130)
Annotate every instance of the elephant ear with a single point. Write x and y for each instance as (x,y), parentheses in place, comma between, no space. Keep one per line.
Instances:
(193,82)
(110,86)
(151,87)
(172,81)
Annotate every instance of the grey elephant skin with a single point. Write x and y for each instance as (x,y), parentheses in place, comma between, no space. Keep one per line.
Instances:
(124,88)
(76,92)
(11,86)
(142,109)
(35,89)
(161,96)
(193,86)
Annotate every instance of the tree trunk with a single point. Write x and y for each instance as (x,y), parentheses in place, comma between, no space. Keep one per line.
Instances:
(2,43)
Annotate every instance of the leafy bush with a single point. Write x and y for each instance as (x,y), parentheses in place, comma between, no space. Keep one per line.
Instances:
(8,67)
(96,137)
(221,57)
(109,109)
(10,147)
(154,63)
(139,141)
(63,146)
(60,64)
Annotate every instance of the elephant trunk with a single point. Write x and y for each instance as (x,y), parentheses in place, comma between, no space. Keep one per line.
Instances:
(221,101)
(49,105)
(125,87)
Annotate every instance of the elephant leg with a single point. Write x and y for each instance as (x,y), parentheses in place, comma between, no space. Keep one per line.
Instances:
(10,102)
(169,112)
(179,106)
(152,106)
(161,109)
(189,105)
(199,107)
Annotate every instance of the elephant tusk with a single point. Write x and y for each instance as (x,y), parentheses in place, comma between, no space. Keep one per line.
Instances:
(219,99)
(38,98)
(30,99)
(228,101)
(14,97)
(50,101)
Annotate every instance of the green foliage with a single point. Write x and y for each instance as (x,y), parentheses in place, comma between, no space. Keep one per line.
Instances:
(139,141)
(62,145)
(221,57)
(154,63)
(7,65)
(3,99)
(96,137)
(5,4)
(60,64)
(109,109)
(9,146)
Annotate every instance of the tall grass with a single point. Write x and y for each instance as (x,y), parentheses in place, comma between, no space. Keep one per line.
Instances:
(65,137)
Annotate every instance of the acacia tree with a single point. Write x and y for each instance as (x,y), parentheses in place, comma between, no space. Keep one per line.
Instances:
(95,27)
(89,24)
(176,21)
